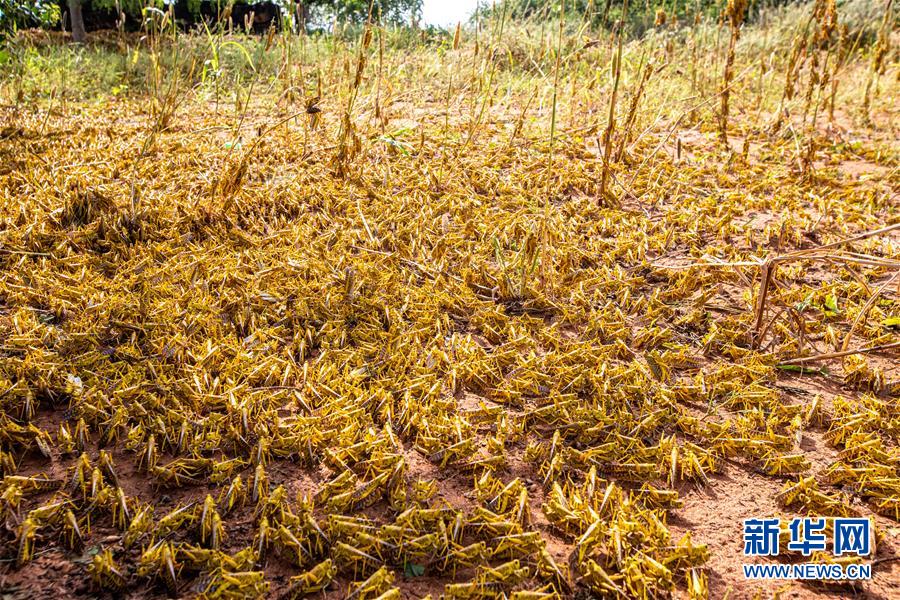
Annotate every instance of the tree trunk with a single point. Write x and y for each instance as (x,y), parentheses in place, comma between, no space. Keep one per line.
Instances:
(77,20)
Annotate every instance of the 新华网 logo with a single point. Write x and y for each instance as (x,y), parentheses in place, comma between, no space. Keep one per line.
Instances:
(806,535)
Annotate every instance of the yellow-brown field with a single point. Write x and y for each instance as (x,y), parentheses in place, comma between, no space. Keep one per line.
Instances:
(403,339)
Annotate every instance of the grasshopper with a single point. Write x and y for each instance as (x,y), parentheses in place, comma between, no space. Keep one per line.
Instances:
(533,595)
(31,485)
(141,525)
(517,544)
(234,496)
(697,584)
(171,522)
(263,538)
(316,579)
(105,573)
(72,531)
(375,584)
(471,590)
(548,569)
(212,533)
(508,574)
(467,556)
(659,498)
(783,464)
(236,585)
(290,545)
(159,562)
(181,471)
(345,554)
(25,536)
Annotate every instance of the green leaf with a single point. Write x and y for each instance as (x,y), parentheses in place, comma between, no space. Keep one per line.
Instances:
(403,147)
(88,554)
(807,302)
(243,51)
(802,370)
(831,305)
(413,570)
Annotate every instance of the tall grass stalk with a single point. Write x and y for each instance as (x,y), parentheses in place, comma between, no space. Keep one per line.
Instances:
(562,19)
(735,12)
(611,119)
(881,50)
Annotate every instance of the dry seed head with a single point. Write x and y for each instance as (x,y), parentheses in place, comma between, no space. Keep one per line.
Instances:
(660,17)
(735,11)
(830,23)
